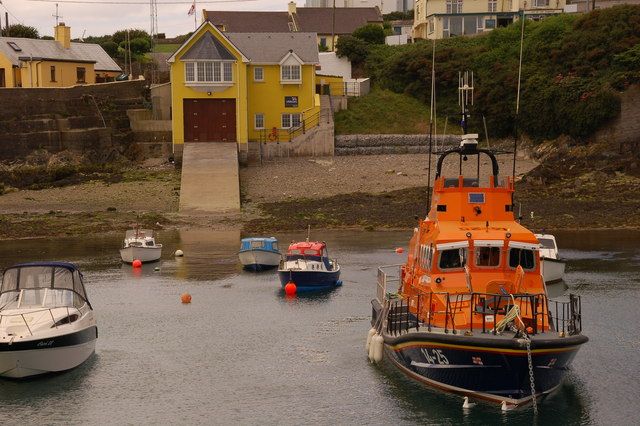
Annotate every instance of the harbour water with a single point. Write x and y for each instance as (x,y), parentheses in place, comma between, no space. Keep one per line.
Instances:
(242,353)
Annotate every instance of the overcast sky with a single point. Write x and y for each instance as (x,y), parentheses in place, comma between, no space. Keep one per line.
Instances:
(100,19)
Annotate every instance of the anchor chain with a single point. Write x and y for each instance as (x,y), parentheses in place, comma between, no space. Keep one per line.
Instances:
(531,378)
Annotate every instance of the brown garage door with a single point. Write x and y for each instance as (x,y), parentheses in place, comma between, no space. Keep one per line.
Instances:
(210,120)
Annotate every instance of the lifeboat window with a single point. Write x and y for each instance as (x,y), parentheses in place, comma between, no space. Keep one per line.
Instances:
(487,256)
(521,257)
(453,258)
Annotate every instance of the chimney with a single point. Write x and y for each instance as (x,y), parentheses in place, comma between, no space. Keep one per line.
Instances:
(292,7)
(62,35)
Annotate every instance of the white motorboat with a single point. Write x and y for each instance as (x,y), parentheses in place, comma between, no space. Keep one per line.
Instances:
(259,254)
(46,321)
(551,266)
(140,244)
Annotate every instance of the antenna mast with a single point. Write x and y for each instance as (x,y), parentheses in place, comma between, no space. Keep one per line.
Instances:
(515,140)
(433,98)
(465,96)
(153,14)
(57,15)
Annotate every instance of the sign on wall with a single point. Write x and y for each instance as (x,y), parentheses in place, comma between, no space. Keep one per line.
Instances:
(290,101)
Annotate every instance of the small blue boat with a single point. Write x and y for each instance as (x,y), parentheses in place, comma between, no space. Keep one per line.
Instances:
(308,266)
(259,254)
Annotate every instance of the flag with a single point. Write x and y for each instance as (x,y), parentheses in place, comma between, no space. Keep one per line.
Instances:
(192,9)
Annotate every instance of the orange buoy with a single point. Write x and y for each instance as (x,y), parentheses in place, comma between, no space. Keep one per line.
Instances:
(529,330)
(185,298)
(290,288)
(399,250)
(136,263)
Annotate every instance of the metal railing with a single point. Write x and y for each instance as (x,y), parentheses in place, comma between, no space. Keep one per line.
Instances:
(307,123)
(54,322)
(537,312)
(385,278)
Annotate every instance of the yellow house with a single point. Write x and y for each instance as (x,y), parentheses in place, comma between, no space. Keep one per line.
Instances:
(241,87)
(26,62)
(436,19)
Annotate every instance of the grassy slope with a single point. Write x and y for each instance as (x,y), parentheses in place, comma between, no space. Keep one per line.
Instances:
(383,111)
(165,48)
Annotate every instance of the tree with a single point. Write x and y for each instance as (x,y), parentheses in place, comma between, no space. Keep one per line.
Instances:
(21,31)
(355,49)
(120,36)
(111,48)
(140,46)
(370,33)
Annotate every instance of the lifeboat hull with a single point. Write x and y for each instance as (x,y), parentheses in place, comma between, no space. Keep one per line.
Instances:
(492,368)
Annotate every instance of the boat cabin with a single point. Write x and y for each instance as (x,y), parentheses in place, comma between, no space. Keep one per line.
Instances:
(307,250)
(42,285)
(139,238)
(267,244)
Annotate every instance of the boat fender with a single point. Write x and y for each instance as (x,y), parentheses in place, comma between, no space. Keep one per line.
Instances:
(370,354)
(377,342)
(372,331)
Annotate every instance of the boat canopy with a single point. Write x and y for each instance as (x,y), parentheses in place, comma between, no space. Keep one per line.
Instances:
(138,233)
(42,275)
(262,243)
(307,248)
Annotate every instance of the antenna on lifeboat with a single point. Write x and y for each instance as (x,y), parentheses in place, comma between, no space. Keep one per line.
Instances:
(515,125)
(465,96)
(433,101)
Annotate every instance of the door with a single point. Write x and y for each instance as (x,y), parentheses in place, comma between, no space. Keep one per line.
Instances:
(210,120)
(2,81)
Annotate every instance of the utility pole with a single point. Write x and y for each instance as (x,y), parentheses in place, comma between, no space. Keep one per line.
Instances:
(333,28)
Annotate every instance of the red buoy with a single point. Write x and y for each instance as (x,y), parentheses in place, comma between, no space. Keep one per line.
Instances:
(290,288)
(185,298)
(136,263)
(399,250)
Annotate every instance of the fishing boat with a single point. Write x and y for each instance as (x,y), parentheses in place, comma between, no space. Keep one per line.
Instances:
(307,265)
(140,244)
(46,321)
(469,312)
(551,265)
(259,254)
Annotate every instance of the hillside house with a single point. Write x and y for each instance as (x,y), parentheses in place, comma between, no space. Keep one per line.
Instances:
(60,62)
(319,20)
(242,86)
(437,19)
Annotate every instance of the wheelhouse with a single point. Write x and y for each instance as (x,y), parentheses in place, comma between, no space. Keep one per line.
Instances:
(42,285)
(307,250)
(268,244)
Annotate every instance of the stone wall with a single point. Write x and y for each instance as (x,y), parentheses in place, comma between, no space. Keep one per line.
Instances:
(86,119)
(389,144)
(624,129)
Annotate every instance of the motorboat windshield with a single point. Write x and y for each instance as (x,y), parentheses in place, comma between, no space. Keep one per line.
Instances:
(42,285)
(270,244)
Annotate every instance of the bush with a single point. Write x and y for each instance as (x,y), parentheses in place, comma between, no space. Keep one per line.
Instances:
(370,33)
(354,49)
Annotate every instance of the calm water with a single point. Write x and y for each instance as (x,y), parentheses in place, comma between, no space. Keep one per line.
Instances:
(242,353)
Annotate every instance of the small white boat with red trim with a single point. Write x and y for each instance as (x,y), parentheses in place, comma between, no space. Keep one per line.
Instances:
(140,244)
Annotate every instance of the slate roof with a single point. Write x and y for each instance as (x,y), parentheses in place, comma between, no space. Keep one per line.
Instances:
(272,47)
(52,50)
(208,47)
(248,22)
(348,19)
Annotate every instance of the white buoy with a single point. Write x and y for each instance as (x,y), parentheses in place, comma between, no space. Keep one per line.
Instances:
(370,353)
(372,331)
(377,342)
(178,253)
(466,404)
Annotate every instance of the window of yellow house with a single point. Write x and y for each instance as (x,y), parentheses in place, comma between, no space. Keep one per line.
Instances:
(53,73)
(454,6)
(208,72)
(432,25)
(290,73)
(259,121)
(492,6)
(81,74)
(291,121)
(258,74)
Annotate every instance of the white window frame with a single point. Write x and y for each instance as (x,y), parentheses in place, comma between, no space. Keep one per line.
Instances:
(492,5)
(454,6)
(289,117)
(259,116)
(432,25)
(287,74)
(540,3)
(208,73)
(255,74)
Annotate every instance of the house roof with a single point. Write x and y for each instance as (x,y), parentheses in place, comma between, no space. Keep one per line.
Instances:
(348,19)
(208,47)
(53,51)
(272,47)
(248,22)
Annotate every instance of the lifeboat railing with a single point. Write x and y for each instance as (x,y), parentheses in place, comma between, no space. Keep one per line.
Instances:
(388,274)
(539,314)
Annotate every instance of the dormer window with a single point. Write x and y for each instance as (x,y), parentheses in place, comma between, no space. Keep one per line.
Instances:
(290,73)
